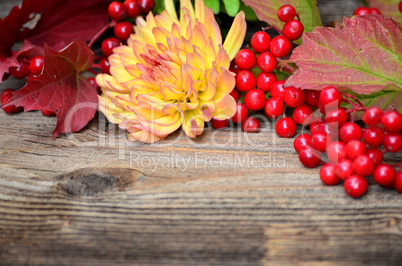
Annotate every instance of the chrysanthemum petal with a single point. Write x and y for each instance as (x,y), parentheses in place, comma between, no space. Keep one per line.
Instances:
(236,34)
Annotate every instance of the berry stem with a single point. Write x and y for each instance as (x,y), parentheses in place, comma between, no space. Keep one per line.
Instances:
(99,57)
(92,71)
(273,27)
(100,32)
(96,66)
(352,97)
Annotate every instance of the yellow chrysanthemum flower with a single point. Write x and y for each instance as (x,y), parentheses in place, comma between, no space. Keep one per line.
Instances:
(173,72)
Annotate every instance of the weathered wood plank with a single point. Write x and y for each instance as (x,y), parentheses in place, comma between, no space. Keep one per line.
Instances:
(93,197)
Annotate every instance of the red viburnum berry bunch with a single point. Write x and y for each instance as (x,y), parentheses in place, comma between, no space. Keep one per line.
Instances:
(354,152)
(121,14)
(257,86)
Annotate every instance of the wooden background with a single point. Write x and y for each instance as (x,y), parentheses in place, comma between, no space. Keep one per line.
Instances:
(93,197)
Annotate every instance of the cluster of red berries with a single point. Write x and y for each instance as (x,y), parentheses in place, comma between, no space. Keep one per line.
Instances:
(264,91)
(119,11)
(359,151)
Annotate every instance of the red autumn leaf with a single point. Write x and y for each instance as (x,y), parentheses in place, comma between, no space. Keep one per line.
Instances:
(388,8)
(363,55)
(28,51)
(69,20)
(55,22)
(61,89)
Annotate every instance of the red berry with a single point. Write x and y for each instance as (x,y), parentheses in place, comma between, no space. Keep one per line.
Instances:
(309,158)
(108,45)
(355,186)
(260,41)
(48,113)
(274,107)
(241,113)
(350,131)
(392,121)
(320,141)
(375,155)
(234,68)
(373,136)
(265,80)
(384,174)
(318,125)
(123,30)
(398,178)
(330,99)
(36,65)
(372,116)
(251,125)
(360,11)
(392,142)
(312,97)
(336,151)
(344,169)
(293,30)
(400,6)
(95,85)
(277,89)
(328,176)
(245,59)
(294,97)
(117,11)
(280,46)
(336,118)
(285,127)
(374,10)
(255,99)
(21,71)
(104,66)
(266,62)
(354,148)
(286,13)
(219,124)
(245,81)
(303,115)
(146,5)
(301,142)
(6,95)
(133,8)
(235,94)
(363,165)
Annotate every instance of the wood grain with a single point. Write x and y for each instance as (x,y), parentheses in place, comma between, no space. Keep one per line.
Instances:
(226,198)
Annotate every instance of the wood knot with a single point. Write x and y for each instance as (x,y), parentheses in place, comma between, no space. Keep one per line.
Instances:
(94,181)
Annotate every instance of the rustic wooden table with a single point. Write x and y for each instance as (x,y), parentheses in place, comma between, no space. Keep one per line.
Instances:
(226,198)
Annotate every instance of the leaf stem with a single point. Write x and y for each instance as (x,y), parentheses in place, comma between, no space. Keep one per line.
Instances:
(285,66)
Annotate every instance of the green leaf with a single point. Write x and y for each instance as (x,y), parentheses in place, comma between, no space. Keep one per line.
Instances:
(266,10)
(364,55)
(232,7)
(249,12)
(159,6)
(213,4)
